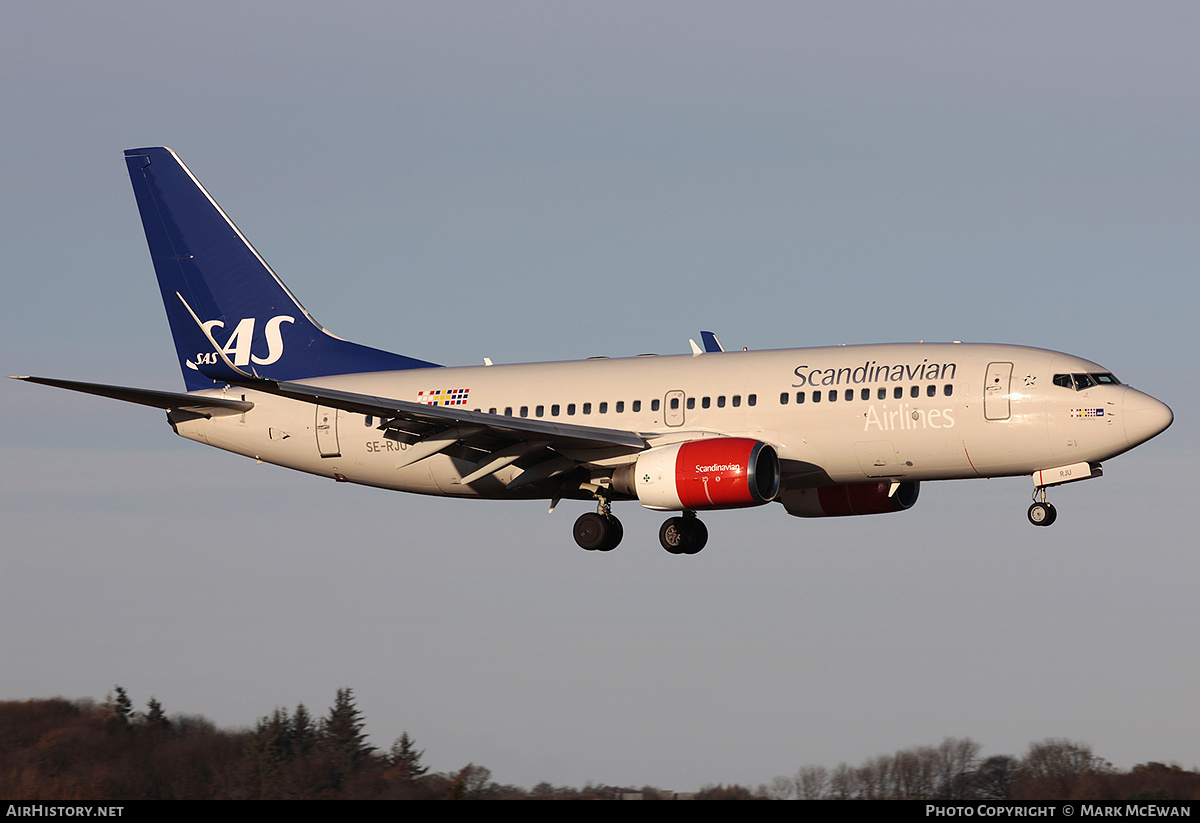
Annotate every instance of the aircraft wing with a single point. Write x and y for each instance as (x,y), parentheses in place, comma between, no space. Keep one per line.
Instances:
(399,411)
(539,449)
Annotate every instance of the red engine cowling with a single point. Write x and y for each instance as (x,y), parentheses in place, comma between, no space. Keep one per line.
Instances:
(856,498)
(717,473)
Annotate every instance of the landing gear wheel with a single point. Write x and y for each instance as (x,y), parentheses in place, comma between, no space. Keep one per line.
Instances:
(699,536)
(598,532)
(683,535)
(1042,514)
(615,532)
(673,535)
(590,531)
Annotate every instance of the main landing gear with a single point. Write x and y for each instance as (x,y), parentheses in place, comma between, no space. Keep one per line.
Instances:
(1041,513)
(683,535)
(599,531)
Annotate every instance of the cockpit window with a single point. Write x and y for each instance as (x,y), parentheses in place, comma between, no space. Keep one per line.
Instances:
(1080,382)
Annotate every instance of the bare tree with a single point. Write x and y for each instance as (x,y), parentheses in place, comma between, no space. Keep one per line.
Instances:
(995,777)
(843,783)
(1056,768)
(956,759)
(812,783)
(782,788)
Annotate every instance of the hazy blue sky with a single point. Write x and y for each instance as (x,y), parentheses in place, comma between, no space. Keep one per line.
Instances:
(538,181)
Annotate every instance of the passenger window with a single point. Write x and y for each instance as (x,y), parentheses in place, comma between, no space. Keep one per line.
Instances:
(752,400)
(492,410)
(691,404)
(931,390)
(833,395)
(570,408)
(799,397)
(720,401)
(620,407)
(554,410)
(817,396)
(508,411)
(849,394)
(637,405)
(737,400)
(866,394)
(706,402)
(898,392)
(654,404)
(368,418)
(882,393)
(783,398)
(541,411)
(604,408)
(948,389)
(524,411)
(915,391)
(587,408)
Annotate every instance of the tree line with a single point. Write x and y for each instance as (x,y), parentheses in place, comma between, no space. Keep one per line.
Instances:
(1052,769)
(60,749)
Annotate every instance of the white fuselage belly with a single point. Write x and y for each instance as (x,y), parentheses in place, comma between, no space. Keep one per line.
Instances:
(946,423)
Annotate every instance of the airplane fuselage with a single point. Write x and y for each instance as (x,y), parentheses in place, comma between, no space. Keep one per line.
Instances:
(841,415)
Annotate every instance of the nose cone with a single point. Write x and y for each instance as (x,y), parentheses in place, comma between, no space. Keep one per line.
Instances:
(1144,416)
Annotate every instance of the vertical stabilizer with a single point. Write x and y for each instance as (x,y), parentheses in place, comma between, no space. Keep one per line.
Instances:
(204,262)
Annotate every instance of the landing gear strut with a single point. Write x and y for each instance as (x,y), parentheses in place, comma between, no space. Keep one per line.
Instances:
(1041,513)
(598,531)
(683,535)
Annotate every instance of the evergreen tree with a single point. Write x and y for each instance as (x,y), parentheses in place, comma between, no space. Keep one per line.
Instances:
(271,743)
(304,732)
(156,718)
(122,707)
(342,737)
(404,758)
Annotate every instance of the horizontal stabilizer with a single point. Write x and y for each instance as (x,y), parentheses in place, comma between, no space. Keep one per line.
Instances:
(198,403)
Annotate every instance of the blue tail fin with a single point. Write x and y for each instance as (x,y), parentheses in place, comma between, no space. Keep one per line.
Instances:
(204,262)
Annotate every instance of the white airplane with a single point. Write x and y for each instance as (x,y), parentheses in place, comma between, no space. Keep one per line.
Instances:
(824,431)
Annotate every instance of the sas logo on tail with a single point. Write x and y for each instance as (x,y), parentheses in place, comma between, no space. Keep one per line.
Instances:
(238,347)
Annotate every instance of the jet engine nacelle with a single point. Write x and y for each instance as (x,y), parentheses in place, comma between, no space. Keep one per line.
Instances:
(855,498)
(716,473)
